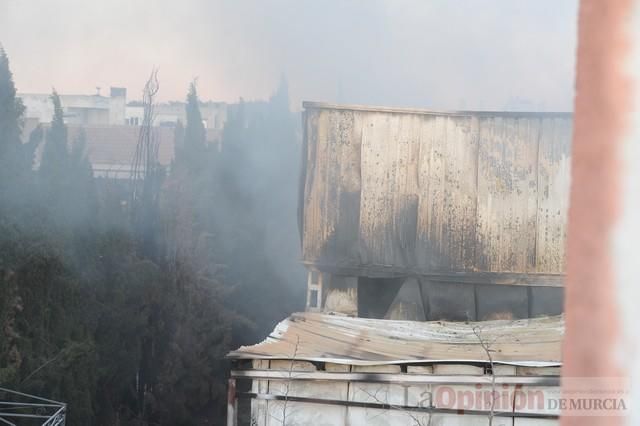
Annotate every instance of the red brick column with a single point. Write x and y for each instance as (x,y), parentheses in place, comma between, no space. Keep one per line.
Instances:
(595,338)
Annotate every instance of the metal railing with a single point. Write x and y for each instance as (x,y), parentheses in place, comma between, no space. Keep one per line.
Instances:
(17,408)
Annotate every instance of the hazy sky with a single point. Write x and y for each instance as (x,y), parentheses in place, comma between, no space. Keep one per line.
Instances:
(465,54)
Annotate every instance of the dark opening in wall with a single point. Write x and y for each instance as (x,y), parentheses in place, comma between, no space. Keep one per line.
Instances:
(421,299)
(375,295)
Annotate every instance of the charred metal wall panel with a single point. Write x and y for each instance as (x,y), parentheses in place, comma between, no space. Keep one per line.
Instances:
(407,192)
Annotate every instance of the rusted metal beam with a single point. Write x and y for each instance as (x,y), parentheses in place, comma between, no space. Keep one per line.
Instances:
(383,406)
(395,378)
(342,107)
(492,278)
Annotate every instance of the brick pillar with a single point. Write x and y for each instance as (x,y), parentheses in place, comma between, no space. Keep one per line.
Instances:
(603,280)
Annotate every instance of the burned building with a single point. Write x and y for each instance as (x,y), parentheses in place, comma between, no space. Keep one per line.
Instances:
(433,242)
(412,214)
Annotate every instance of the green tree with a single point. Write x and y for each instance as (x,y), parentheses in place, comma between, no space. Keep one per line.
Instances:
(128,338)
(11,109)
(55,156)
(252,212)
(66,175)
(192,378)
(192,152)
(16,159)
(81,184)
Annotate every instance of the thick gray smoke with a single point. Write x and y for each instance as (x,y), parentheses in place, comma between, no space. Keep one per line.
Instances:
(493,54)
(124,307)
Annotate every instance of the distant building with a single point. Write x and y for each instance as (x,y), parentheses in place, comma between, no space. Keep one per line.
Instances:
(111,148)
(214,114)
(81,110)
(111,126)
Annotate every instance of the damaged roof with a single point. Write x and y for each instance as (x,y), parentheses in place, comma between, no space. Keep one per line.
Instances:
(359,341)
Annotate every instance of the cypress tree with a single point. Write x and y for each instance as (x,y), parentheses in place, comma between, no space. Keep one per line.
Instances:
(55,156)
(82,190)
(11,111)
(15,158)
(66,174)
(194,133)
(178,144)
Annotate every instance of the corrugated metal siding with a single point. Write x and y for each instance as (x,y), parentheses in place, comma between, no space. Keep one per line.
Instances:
(360,341)
(390,191)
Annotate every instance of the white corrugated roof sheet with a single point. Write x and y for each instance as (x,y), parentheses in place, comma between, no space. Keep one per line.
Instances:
(359,341)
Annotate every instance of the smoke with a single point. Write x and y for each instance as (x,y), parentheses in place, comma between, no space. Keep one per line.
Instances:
(493,54)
